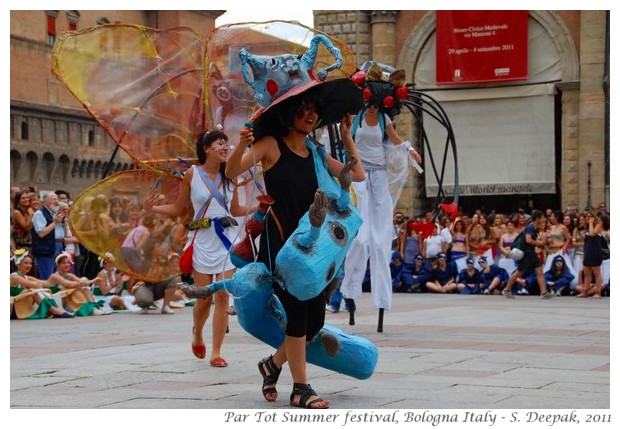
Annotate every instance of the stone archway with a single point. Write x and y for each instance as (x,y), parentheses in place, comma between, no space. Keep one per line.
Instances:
(551,22)
(569,74)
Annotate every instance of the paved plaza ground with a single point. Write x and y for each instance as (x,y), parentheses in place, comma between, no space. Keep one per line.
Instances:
(436,351)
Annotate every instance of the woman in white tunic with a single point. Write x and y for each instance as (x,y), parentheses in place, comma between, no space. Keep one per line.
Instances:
(214,200)
(374,203)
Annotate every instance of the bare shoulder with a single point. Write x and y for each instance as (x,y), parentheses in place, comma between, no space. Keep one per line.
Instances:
(267,151)
(188,173)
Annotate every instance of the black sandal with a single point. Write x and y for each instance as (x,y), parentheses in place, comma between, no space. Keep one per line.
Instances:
(305,391)
(271,378)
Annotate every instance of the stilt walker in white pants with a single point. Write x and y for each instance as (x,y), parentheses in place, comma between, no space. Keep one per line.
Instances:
(373,129)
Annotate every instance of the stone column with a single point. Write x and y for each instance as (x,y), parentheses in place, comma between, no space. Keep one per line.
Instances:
(592,108)
(383,24)
(569,185)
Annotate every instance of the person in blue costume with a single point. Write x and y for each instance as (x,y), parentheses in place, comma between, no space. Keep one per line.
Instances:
(280,143)
(469,280)
(396,270)
(493,277)
(416,275)
(558,276)
(444,276)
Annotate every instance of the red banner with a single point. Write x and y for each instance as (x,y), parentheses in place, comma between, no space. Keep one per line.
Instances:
(481,45)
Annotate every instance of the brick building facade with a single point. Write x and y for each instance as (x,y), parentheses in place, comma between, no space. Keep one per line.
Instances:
(55,144)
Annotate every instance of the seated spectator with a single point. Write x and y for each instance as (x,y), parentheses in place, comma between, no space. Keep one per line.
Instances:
(147,293)
(110,286)
(469,279)
(417,275)
(30,297)
(396,270)
(527,283)
(444,276)
(558,276)
(494,278)
(73,290)
(558,244)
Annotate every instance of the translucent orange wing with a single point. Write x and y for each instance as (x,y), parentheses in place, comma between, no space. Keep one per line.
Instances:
(100,225)
(143,86)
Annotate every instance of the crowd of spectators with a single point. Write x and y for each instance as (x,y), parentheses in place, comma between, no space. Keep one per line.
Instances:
(54,275)
(471,254)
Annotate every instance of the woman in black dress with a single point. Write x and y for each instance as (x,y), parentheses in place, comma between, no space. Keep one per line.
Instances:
(592,257)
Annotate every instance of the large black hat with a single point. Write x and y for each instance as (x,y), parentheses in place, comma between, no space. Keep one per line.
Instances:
(334,98)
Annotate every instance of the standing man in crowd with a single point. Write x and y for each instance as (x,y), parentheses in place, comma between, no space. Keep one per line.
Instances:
(44,242)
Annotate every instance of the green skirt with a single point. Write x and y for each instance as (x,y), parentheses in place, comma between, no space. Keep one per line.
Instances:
(44,307)
(87,308)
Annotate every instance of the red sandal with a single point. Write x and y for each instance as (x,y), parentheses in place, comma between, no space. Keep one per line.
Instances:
(200,351)
(218,362)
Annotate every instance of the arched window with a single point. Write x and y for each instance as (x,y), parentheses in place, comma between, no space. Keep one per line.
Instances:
(32,162)
(48,167)
(90,169)
(98,169)
(16,162)
(24,130)
(76,168)
(62,170)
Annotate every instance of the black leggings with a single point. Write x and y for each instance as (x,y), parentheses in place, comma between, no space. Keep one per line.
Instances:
(304,318)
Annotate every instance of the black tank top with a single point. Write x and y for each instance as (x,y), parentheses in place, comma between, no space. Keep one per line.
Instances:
(291,182)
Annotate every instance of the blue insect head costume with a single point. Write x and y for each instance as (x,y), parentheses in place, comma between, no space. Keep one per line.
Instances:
(312,256)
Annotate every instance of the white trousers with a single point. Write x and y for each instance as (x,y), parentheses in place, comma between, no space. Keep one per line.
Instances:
(373,240)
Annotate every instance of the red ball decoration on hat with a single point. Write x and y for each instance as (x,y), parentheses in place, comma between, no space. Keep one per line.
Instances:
(388,102)
(272,87)
(367,93)
(359,77)
(401,92)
